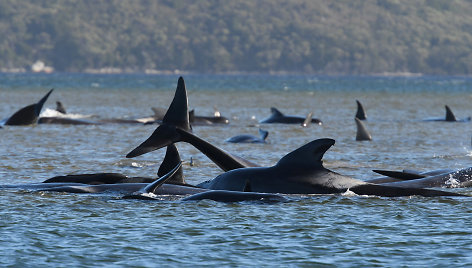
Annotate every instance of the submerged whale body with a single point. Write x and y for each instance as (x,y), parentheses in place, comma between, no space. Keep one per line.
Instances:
(28,115)
(246,138)
(278,117)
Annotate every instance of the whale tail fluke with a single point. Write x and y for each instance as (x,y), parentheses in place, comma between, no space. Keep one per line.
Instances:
(28,115)
(177,116)
(360,111)
(362,132)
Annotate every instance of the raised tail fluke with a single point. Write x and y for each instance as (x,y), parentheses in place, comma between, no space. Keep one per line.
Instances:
(176,117)
(177,114)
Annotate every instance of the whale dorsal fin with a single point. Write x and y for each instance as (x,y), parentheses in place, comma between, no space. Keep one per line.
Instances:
(362,132)
(360,111)
(307,120)
(276,112)
(177,114)
(150,188)
(28,115)
(309,155)
(263,134)
(171,159)
(450,117)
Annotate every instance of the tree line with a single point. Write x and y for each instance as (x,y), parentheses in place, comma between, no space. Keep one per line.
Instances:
(212,36)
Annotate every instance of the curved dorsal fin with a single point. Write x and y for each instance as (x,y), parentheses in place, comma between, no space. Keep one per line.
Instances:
(150,188)
(276,112)
(28,115)
(360,111)
(450,117)
(309,155)
(171,159)
(362,132)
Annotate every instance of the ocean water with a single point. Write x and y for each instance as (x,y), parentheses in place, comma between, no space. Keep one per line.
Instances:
(40,229)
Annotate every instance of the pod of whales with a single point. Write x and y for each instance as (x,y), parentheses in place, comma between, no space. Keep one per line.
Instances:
(278,117)
(28,115)
(299,172)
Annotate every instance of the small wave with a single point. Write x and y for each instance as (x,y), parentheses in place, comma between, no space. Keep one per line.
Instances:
(53,113)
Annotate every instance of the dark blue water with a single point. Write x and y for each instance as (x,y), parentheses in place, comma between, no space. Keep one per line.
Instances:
(55,229)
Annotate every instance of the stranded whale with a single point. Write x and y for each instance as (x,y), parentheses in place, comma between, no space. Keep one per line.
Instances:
(450,117)
(302,172)
(278,117)
(246,138)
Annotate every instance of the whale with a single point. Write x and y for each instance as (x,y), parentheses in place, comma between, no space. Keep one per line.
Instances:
(452,179)
(171,159)
(28,115)
(175,127)
(360,114)
(406,174)
(278,117)
(302,172)
(114,188)
(246,138)
(362,133)
(450,117)
(149,192)
(207,120)
(195,120)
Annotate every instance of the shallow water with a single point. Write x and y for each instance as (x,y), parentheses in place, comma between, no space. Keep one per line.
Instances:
(44,229)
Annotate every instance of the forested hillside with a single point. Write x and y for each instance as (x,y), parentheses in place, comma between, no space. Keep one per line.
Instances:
(305,36)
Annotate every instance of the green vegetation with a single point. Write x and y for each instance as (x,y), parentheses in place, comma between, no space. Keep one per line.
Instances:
(312,36)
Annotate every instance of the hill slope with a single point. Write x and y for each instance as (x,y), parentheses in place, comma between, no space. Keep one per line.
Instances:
(315,36)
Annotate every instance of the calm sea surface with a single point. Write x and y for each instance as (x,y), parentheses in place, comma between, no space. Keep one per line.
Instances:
(54,229)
